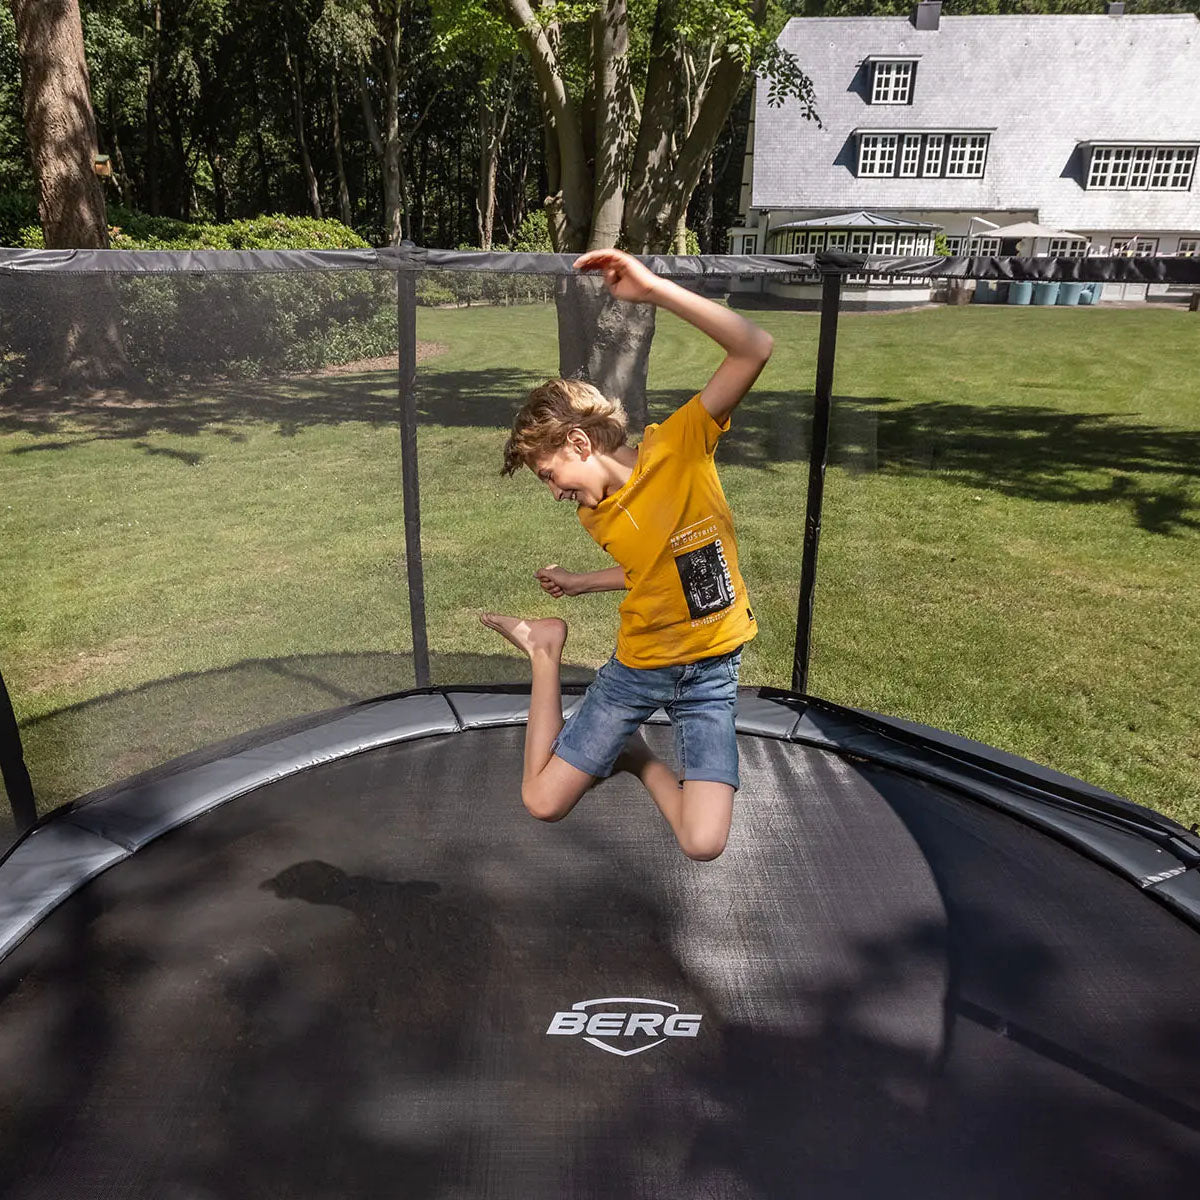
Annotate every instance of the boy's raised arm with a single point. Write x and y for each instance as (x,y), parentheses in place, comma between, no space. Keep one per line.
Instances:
(747,348)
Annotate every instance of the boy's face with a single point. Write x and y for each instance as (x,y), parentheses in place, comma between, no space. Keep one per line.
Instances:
(572,473)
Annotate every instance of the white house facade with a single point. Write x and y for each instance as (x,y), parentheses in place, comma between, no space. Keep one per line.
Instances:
(1085,124)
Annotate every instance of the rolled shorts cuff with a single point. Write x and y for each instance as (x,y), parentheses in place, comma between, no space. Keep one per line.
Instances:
(702,776)
(579,760)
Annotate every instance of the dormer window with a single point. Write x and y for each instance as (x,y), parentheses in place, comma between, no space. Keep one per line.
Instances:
(892,80)
(922,154)
(1127,167)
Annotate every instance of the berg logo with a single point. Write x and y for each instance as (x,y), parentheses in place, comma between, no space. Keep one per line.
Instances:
(658,1019)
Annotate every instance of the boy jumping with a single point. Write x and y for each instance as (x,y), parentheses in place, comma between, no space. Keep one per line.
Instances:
(659,510)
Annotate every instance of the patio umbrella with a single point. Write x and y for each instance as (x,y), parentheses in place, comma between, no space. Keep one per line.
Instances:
(1023,230)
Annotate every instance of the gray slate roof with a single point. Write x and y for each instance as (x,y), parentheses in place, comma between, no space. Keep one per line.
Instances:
(1044,83)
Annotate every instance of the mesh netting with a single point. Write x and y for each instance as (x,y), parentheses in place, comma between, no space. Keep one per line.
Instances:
(203,518)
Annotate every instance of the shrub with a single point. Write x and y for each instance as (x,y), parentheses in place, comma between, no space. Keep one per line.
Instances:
(18,212)
(230,323)
(129,230)
(533,234)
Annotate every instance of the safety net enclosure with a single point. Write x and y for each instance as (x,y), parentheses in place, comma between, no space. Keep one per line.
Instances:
(273,921)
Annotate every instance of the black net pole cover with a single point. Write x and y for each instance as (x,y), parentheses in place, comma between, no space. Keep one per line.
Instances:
(831,293)
(12,765)
(406,319)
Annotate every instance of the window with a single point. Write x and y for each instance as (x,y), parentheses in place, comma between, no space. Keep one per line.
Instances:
(1134,247)
(1182,161)
(968,153)
(885,243)
(816,241)
(1141,168)
(1109,167)
(1188,247)
(955,246)
(860,243)
(922,155)
(837,239)
(749,241)
(906,244)
(1067,248)
(935,145)
(983,247)
(877,154)
(892,83)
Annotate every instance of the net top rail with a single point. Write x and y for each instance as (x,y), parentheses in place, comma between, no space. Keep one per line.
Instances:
(415,259)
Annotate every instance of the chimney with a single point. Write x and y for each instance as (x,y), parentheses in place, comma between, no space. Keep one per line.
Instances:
(928,14)
(1117,9)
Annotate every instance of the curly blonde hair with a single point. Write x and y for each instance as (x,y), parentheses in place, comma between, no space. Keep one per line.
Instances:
(552,411)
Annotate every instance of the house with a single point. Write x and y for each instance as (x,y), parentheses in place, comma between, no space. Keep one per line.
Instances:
(1087,124)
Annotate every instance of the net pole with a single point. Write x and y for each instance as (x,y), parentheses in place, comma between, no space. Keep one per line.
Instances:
(406,323)
(831,297)
(12,766)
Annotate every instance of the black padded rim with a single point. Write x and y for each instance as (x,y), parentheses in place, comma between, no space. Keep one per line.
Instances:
(78,842)
(409,258)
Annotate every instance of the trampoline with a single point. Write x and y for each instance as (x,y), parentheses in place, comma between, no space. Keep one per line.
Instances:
(336,958)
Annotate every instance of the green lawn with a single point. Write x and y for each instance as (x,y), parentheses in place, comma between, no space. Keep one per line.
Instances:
(1011,545)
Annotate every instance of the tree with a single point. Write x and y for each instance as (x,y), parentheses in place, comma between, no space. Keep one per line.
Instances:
(473,32)
(59,123)
(634,97)
(61,130)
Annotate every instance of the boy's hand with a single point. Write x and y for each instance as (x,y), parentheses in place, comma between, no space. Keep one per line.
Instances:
(624,276)
(556,581)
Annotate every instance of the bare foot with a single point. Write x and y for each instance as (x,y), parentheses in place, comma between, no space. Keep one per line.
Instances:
(546,635)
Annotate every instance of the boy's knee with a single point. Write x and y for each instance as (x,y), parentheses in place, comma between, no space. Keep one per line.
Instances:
(541,806)
(703,845)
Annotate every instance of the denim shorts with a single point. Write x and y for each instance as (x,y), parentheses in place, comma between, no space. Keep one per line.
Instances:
(700,699)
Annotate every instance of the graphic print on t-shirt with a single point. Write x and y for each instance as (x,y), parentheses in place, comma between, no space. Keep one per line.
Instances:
(703,571)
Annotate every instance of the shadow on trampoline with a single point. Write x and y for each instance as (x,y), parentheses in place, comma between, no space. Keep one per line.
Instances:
(350,1033)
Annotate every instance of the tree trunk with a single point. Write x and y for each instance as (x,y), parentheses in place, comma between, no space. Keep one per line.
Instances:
(343,188)
(310,176)
(485,195)
(152,86)
(183,203)
(419,205)
(610,40)
(706,233)
(392,223)
(60,127)
(569,206)
(220,188)
(264,174)
(117,164)
(605,341)
(121,172)
(491,137)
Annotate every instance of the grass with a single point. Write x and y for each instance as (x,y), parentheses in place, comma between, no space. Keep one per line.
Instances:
(1010,548)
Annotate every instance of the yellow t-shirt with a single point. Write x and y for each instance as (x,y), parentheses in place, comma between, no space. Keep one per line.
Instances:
(670,528)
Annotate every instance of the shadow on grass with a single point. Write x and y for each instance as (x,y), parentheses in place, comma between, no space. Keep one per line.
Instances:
(188,719)
(1034,452)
